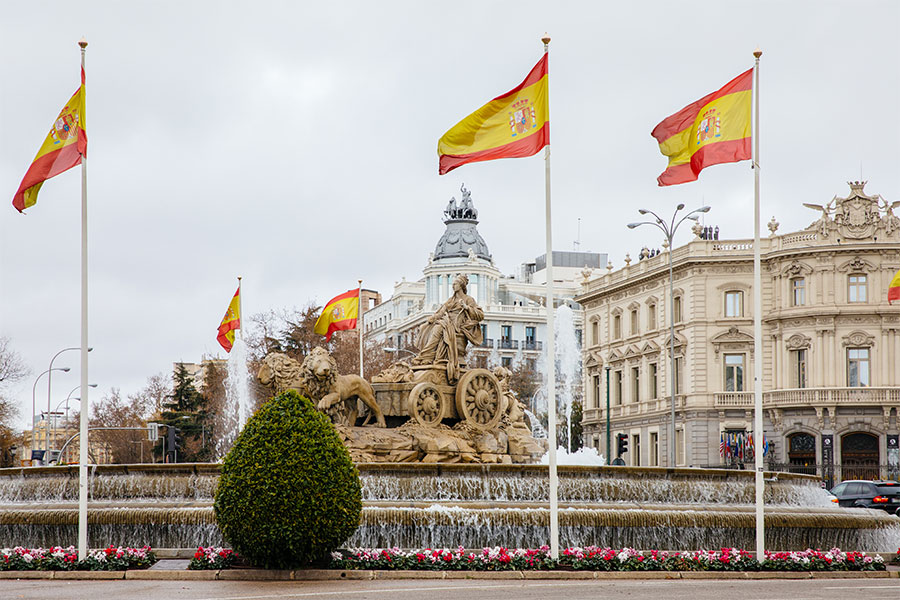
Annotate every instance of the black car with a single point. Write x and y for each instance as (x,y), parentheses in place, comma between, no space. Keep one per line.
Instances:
(883,495)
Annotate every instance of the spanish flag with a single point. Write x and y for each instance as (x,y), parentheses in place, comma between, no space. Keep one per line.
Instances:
(514,125)
(339,314)
(894,288)
(65,145)
(712,130)
(231,322)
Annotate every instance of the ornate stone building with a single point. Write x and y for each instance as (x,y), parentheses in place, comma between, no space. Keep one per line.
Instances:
(831,347)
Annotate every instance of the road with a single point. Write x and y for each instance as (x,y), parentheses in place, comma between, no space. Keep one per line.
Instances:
(838,589)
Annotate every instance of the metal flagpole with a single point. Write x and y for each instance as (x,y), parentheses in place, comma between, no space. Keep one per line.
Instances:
(551,351)
(85,405)
(757,327)
(359,330)
(240,308)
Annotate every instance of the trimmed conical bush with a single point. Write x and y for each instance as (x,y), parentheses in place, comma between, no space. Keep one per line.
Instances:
(289,493)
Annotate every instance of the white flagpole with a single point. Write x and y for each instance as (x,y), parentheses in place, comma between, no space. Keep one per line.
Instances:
(85,405)
(551,351)
(757,328)
(240,308)
(359,329)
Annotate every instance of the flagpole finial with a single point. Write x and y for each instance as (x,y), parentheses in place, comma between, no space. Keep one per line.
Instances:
(757,53)
(82,42)
(546,38)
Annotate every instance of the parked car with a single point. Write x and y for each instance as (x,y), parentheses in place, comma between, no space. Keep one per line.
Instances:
(883,495)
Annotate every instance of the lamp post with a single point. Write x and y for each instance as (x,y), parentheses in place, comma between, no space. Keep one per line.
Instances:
(669,230)
(33,405)
(69,397)
(49,371)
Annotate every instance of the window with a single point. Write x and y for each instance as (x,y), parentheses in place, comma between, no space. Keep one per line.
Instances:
(856,291)
(635,328)
(734,304)
(679,362)
(617,327)
(653,458)
(617,387)
(635,450)
(595,333)
(596,380)
(484,332)
(651,317)
(798,368)
(635,384)
(506,361)
(734,372)
(858,367)
(798,291)
(654,381)
(676,312)
(679,447)
(505,334)
(529,336)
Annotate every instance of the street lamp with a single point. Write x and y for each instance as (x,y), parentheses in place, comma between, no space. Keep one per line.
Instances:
(48,388)
(69,397)
(33,404)
(669,230)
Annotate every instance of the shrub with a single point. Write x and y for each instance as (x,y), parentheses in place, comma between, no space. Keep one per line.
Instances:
(289,493)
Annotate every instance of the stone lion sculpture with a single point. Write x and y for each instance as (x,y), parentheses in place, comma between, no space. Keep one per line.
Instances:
(317,379)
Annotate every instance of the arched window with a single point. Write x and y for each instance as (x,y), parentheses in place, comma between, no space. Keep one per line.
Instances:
(802,453)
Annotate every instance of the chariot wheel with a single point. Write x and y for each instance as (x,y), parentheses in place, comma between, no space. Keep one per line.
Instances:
(478,399)
(426,404)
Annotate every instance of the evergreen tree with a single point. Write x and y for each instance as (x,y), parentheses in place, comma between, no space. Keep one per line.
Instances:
(185,411)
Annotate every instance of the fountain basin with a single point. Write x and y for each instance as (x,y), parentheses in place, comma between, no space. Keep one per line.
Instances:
(420,505)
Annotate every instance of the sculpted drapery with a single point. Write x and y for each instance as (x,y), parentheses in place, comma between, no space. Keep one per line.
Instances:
(445,335)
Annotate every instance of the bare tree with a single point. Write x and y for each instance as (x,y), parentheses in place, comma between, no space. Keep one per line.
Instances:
(149,399)
(113,411)
(12,369)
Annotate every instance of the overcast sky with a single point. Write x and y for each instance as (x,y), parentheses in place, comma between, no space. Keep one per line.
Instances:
(294,144)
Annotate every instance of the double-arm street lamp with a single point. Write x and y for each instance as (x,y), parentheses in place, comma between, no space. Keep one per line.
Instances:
(49,374)
(33,406)
(69,397)
(669,230)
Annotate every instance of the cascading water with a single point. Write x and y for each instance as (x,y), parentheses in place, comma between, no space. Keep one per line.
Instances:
(537,430)
(445,505)
(237,397)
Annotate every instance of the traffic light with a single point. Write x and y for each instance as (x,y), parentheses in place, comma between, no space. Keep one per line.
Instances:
(173,442)
(621,444)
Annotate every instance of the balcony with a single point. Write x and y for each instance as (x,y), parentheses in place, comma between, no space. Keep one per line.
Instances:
(509,344)
(487,343)
(532,345)
(812,397)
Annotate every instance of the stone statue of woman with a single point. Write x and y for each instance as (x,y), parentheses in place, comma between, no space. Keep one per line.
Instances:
(447,332)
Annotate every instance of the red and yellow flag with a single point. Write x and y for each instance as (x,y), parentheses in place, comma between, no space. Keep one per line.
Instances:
(712,130)
(230,322)
(894,288)
(65,145)
(339,314)
(514,125)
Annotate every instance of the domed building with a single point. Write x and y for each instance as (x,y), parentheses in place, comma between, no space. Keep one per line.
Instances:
(514,327)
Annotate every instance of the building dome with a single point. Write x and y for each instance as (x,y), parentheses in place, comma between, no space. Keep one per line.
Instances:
(461,236)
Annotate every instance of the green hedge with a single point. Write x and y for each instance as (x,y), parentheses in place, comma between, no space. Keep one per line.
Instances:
(289,493)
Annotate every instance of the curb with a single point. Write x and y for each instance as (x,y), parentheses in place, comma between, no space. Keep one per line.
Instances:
(335,575)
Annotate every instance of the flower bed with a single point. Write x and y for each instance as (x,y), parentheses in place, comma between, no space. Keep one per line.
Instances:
(212,558)
(57,558)
(602,559)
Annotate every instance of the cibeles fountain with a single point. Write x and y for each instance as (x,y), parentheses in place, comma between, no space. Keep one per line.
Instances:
(446,458)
